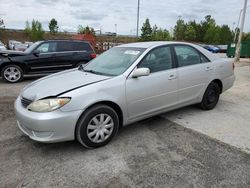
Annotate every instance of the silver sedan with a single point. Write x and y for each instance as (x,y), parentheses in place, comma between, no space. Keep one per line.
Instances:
(123,85)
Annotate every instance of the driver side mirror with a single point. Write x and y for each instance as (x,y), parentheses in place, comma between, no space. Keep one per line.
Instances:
(36,53)
(140,72)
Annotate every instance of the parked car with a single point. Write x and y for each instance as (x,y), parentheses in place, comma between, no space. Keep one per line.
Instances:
(44,57)
(222,48)
(211,48)
(2,46)
(28,44)
(20,47)
(123,85)
(12,43)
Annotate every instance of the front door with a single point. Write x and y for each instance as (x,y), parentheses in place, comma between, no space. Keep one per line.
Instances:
(150,94)
(43,58)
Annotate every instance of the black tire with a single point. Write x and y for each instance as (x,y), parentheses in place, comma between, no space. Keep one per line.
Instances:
(18,70)
(210,97)
(82,131)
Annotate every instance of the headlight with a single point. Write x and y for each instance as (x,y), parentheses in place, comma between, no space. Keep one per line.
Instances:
(47,105)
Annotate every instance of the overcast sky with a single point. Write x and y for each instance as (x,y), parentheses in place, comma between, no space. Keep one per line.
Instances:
(104,14)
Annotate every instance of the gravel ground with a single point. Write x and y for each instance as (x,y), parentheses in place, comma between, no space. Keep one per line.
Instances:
(151,153)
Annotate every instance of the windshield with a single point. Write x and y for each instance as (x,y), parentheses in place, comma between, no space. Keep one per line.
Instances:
(32,47)
(114,61)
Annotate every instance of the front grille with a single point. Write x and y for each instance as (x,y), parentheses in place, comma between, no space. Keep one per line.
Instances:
(25,102)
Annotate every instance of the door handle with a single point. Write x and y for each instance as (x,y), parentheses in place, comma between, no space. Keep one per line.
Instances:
(209,68)
(172,76)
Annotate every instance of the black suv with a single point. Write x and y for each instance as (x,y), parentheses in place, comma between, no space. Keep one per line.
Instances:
(44,57)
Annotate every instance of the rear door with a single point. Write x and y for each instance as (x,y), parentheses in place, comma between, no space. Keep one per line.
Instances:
(151,94)
(194,72)
(65,55)
(83,53)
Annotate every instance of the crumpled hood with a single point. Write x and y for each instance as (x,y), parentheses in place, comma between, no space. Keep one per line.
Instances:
(58,83)
(11,53)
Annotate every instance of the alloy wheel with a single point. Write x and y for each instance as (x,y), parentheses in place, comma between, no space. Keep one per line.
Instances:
(12,74)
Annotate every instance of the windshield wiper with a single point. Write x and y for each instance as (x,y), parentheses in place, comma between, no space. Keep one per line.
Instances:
(80,67)
(92,71)
(95,72)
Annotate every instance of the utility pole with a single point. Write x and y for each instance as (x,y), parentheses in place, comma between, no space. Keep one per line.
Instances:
(138,15)
(116,29)
(238,47)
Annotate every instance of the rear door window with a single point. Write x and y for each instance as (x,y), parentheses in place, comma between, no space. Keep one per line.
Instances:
(187,55)
(64,46)
(82,46)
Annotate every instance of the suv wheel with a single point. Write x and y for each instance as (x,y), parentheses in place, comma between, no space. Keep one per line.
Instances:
(12,73)
(210,97)
(97,126)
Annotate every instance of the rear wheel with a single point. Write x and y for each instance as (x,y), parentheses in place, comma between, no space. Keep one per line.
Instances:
(210,97)
(12,73)
(97,126)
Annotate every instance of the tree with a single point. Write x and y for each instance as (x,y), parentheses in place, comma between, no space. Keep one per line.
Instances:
(225,35)
(86,30)
(179,30)
(53,27)
(212,35)
(36,31)
(160,35)
(146,31)
(190,32)
(246,37)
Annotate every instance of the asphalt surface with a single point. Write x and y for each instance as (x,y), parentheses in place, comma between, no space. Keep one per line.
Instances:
(152,153)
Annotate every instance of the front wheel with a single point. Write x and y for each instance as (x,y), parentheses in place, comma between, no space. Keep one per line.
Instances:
(12,73)
(210,97)
(97,126)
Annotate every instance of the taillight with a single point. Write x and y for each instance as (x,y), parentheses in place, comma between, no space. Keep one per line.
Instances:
(93,55)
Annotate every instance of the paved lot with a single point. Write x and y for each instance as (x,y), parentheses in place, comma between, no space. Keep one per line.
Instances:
(158,152)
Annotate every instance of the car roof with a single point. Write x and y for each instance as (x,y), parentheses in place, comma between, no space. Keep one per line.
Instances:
(64,40)
(148,45)
(152,44)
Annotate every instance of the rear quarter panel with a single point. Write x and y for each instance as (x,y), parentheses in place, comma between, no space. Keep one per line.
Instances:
(223,70)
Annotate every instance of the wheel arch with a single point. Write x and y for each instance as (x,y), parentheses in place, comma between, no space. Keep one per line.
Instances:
(22,66)
(111,104)
(219,82)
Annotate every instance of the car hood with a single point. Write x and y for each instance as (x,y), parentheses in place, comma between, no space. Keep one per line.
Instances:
(11,53)
(59,83)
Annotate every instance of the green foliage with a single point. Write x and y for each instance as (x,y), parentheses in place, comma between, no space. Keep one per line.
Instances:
(35,31)
(179,30)
(190,32)
(246,37)
(53,27)
(153,34)
(206,31)
(225,35)
(146,31)
(86,30)
(160,35)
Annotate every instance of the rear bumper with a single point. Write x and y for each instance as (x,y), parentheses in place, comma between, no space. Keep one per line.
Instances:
(48,127)
(228,83)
